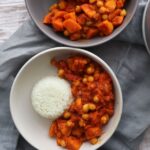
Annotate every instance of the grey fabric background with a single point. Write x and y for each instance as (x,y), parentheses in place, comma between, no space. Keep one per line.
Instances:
(127,56)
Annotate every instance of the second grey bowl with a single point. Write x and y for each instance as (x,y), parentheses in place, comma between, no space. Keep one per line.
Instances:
(39,8)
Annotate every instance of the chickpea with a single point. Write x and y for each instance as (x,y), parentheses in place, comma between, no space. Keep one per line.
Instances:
(81,123)
(103,10)
(90,79)
(70,123)
(78,102)
(85,108)
(62,5)
(92,107)
(90,70)
(84,80)
(123,12)
(92,1)
(63,143)
(96,99)
(94,141)
(61,72)
(78,9)
(104,119)
(67,115)
(100,3)
(104,16)
(66,33)
(85,116)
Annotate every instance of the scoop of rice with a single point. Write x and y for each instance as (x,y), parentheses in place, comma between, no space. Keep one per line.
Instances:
(51,96)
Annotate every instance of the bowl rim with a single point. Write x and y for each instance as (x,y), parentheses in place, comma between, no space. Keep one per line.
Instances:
(108,38)
(144,26)
(84,52)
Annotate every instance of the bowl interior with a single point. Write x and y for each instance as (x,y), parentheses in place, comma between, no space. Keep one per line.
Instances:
(35,128)
(39,8)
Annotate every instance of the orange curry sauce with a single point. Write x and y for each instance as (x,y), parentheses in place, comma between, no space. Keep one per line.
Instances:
(93,104)
(85,19)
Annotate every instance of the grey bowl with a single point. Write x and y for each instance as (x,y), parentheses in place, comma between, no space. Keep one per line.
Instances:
(39,8)
(146,26)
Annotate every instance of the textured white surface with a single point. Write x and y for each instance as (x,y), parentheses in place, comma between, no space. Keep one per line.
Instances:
(12,14)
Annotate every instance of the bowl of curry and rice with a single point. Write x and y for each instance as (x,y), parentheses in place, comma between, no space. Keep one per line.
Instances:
(66,98)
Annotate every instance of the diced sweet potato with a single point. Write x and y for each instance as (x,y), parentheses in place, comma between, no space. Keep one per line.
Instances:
(117,20)
(91,33)
(71,15)
(88,10)
(58,25)
(59,14)
(94,117)
(111,5)
(52,129)
(71,25)
(114,14)
(73,143)
(106,27)
(120,3)
(63,128)
(82,18)
(93,132)
(71,6)
(75,36)
(47,19)
(77,132)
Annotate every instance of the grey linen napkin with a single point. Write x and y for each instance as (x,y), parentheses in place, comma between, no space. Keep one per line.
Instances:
(127,56)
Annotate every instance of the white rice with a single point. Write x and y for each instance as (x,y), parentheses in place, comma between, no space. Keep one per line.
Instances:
(51,96)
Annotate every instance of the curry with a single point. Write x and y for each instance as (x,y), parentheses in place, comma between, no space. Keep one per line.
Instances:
(93,104)
(85,19)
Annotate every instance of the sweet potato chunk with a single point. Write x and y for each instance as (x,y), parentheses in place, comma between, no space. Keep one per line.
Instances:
(81,19)
(77,132)
(91,33)
(71,25)
(59,14)
(117,20)
(73,143)
(64,129)
(120,3)
(114,14)
(75,36)
(88,10)
(111,5)
(47,19)
(71,15)
(52,129)
(106,27)
(58,25)
(93,132)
